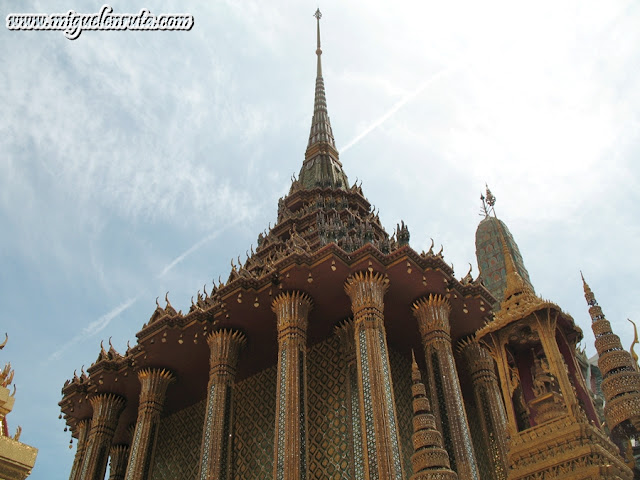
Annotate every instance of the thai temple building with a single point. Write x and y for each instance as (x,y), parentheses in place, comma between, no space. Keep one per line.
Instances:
(337,351)
(16,458)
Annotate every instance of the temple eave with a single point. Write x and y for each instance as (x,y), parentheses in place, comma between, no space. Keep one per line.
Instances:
(245,306)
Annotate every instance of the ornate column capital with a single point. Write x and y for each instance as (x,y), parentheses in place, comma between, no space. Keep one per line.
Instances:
(106,410)
(224,348)
(82,428)
(432,313)
(292,313)
(346,333)
(119,455)
(478,358)
(154,383)
(366,291)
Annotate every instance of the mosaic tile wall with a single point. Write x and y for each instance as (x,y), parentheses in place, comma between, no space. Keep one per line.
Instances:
(329,443)
(401,377)
(178,449)
(254,411)
(330,456)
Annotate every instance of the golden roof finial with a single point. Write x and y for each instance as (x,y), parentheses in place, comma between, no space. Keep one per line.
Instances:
(321,153)
(488,202)
(6,339)
(588,294)
(318,16)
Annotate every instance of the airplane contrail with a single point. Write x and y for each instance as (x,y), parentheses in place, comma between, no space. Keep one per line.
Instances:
(101,323)
(189,251)
(398,105)
(95,327)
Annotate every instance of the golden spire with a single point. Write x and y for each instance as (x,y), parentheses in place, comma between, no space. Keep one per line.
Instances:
(321,133)
(318,16)
(321,167)
(619,372)
(430,461)
(588,294)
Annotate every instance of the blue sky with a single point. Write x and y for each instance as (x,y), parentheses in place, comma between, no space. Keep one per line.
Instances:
(136,163)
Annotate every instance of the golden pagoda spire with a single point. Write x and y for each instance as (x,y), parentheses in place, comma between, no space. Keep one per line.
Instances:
(318,16)
(620,379)
(321,167)
(321,132)
(430,461)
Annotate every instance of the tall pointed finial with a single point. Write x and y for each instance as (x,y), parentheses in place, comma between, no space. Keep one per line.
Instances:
(588,294)
(318,16)
(321,167)
(321,132)
(488,201)
(491,199)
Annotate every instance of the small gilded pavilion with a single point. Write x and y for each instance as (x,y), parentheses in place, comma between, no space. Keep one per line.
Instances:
(337,351)
(16,458)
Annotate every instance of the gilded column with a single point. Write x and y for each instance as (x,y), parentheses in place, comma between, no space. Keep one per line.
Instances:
(106,412)
(381,445)
(154,383)
(119,455)
(215,451)
(290,456)
(433,321)
(489,402)
(346,334)
(82,428)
